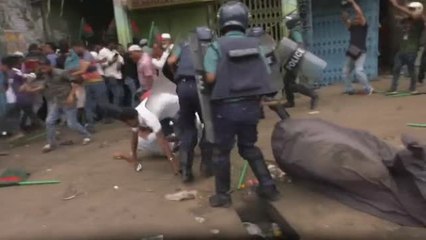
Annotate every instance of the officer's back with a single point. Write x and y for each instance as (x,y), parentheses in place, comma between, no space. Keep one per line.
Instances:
(238,74)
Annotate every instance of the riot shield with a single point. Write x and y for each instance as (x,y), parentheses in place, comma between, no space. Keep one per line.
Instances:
(199,42)
(305,63)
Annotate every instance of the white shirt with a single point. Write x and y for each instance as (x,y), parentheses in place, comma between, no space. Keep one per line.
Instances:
(159,63)
(112,70)
(166,106)
(149,145)
(95,55)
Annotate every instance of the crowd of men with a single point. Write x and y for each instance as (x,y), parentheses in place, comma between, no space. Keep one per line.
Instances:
(84,86)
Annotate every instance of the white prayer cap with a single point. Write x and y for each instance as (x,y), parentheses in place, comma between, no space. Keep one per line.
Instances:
(134,48)
(166,36)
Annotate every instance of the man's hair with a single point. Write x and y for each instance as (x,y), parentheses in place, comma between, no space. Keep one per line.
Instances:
(11,61)
(78,44)
(51,45)
(128,114)
(33,47)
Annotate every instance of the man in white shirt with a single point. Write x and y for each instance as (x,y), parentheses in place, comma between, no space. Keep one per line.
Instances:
(166,107)
(112,62)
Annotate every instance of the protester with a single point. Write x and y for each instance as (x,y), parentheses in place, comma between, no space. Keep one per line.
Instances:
(131,78)
(63,49)
(94,85)
(19,93)
(142,117)
(357,51)
(412,27)
(60,96)
(145,67)
(112,62)
(49,50)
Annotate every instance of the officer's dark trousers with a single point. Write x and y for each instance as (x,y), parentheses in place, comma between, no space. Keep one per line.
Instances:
(237,121)
(291,87)
(422,68)
(189,105)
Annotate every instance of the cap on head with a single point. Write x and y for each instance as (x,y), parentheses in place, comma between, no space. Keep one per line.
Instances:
(166,36)
(143,42)
(18,53)
(416,8)
(234,14)
(135,48)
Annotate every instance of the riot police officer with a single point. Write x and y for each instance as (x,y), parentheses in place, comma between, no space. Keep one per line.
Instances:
(189,106)
(290,84)
(239,76)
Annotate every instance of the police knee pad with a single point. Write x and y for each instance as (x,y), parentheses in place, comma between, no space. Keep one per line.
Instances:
(250,153)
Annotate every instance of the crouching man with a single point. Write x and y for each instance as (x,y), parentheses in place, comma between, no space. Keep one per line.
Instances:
(147,126)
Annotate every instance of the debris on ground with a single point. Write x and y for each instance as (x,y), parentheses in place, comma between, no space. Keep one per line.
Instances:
(215,231)
(4,154)
(253,229)
(182,195)
(104,144)
(70,193)
(200,219)
(116,187)
(158,237)
(276,173)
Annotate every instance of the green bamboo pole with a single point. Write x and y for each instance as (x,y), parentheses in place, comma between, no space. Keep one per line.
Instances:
(417,125)
(43,182)
(243,175)
(151,34)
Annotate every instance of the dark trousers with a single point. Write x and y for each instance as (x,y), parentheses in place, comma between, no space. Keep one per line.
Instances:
(401,59)
(115,90)
(422,68)
(28,113)
(239,121)
(291,87)
(189,106)
(96,97)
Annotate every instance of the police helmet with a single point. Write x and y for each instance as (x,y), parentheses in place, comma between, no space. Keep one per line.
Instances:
(235,14)
(292,21)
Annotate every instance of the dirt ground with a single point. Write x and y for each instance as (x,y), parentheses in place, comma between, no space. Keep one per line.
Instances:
(138,208)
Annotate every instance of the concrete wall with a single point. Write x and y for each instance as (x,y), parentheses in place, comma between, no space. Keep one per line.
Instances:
(21,23)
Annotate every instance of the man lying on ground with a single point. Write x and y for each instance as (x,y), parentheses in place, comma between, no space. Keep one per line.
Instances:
(142,118)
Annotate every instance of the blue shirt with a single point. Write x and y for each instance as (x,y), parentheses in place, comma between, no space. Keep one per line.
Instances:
(52,58)
(213,53)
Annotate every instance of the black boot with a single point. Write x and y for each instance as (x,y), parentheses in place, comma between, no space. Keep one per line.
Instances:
(266,189)
(222,172)
(206,168)
(309,92)
(314,103)
(186,159)
(280,111)
(220,200)
(289,105)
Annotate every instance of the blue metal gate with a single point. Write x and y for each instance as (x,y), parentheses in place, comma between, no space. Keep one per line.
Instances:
(330,38)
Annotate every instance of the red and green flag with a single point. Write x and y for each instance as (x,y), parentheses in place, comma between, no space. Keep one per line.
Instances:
(86,30)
